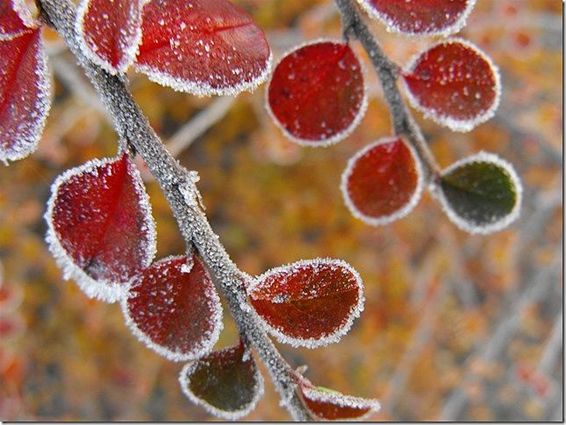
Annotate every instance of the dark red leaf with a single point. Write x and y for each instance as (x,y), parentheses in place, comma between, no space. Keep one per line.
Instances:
(382,182)
(202,46)
(15,18)
(174,309)
(421,16)
(100,226)
(25,94)
(317,93)
(227,383)
(455,84)
(309,303)
(329,405)
(109,32)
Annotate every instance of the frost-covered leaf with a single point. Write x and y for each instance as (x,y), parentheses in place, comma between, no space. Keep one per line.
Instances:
(15,18)
(100,227)
(308,303)
(330,405)
(481,193)
(420,17)
(227,383)
(454,83)
(174,309)
(317,93)
(25,94)
(109,32)
(204,47)
(383,181)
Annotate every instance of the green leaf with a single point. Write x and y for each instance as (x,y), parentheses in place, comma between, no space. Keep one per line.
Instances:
(227,383)
(481,193)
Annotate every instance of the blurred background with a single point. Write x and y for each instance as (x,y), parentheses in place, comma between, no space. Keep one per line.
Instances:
(455,327)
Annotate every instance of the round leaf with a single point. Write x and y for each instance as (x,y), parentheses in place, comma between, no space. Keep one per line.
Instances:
(317,93)
(383,181)
(203,47)
(420,17)
(308,303)
(25,94)
(481,194)
(226,383)
(329,405)
(454,83)
(173,308)
(100,227)
(109,32)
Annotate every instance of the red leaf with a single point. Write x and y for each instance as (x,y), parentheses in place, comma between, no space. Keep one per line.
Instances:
(440,17)
(226,383)
(455,84)
(109,32)
(331,405)
(317,93)
(100,226)
(174,309)
(203,47)
(382,182)
(25,94)
(15,18)
(309,303)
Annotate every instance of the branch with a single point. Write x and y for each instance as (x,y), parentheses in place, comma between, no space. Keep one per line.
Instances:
(179,187)
(388,72)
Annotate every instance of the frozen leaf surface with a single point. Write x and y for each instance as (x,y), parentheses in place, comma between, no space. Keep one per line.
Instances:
(25,94)
(481,193)
(174,309)
(382,182)
(204,47)
(309,303)
(421,17)
(227,383)
(329,405)
(109,32)
(100,227)
(455,84)
(15,18)
(317,93)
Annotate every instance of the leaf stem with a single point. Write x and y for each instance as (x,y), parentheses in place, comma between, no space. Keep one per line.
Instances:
(179,187)
(388,72)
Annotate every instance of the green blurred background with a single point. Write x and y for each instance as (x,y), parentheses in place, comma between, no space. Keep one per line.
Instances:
(455,327)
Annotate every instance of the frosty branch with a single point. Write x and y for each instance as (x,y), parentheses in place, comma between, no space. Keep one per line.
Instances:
(178,185)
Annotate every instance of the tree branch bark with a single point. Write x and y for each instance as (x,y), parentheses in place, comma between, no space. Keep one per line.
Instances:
(179,187)
(388,72)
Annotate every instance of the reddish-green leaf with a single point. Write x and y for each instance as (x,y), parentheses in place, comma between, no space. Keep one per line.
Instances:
(100,227)
(382,182)
(15,18)
(420,17)
(454,83)
(481,193)
(173,308)
(203,47)
(317,93)
(25,93)
(329,405)
(227,383)
(308,303)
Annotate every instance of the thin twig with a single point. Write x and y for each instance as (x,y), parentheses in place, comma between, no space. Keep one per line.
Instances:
(388,72)
(179,187)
